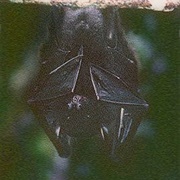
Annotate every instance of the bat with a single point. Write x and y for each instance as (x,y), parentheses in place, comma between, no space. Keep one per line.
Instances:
(87,84)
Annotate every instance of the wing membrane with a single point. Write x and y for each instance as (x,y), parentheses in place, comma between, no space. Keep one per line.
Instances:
(110,88)
(60,81)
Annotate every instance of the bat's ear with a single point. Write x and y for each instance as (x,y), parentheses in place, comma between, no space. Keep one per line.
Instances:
(57,14)
(55,21)
(114,33)
(110,24)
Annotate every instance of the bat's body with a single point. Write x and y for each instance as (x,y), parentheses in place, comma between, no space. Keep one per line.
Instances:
(87,84)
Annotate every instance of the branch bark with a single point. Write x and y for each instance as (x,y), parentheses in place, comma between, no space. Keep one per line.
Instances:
(163,5)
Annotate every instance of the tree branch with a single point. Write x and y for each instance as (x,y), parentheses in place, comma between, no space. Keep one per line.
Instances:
(163,5)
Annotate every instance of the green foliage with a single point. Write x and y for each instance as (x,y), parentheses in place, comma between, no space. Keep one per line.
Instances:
(26,153)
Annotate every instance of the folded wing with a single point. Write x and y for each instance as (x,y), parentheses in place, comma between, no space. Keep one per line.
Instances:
(110,88)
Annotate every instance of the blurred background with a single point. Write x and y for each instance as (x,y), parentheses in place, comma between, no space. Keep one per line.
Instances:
(25,150)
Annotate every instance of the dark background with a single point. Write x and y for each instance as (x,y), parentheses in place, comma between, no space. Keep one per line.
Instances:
(26,152)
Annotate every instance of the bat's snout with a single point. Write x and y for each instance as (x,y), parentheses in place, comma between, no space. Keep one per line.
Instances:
(77,102)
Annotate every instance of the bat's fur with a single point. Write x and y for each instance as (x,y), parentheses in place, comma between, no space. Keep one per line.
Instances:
(87,79)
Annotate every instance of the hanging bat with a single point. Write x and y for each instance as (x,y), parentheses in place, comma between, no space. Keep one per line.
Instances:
(88,79)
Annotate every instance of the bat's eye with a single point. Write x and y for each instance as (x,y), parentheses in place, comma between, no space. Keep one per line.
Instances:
(82,25)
